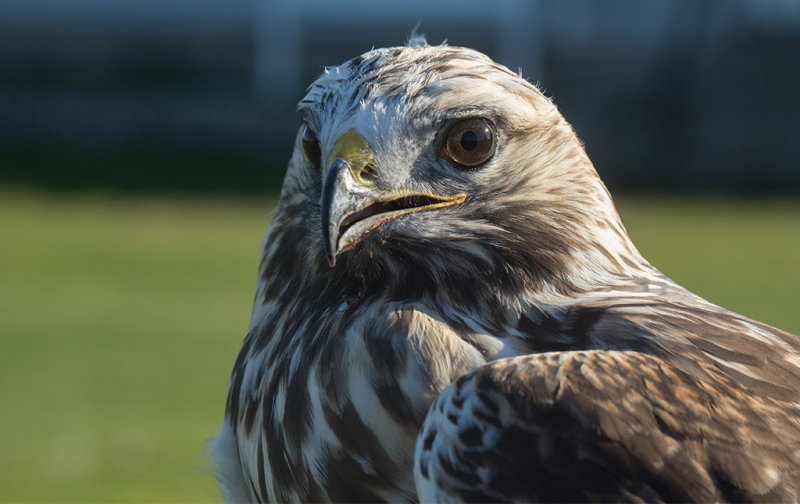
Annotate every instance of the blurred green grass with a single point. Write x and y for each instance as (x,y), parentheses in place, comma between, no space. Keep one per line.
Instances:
(121,317)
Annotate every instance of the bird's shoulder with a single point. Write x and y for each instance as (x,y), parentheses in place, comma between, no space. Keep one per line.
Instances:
(605,425)
(644,395)
(681,328)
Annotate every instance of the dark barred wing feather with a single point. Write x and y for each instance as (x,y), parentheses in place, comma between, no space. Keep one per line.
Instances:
(606,426)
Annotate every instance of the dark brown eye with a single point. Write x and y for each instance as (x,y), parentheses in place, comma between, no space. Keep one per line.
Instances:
(469,143)
(311,146)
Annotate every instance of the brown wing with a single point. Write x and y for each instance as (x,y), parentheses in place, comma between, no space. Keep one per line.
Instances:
(605,426)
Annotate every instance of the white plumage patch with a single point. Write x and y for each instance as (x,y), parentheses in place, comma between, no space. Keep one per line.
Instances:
(228,467)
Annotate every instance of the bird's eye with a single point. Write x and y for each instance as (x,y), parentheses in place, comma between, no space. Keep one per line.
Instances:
(469,143)
(311,146)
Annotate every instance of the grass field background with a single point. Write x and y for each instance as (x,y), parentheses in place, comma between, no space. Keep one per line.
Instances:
(120,318)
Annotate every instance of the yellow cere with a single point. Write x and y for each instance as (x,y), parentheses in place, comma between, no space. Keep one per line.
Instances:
(352,148)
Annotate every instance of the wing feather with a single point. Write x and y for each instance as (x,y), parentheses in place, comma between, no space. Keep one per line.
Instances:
(605,426)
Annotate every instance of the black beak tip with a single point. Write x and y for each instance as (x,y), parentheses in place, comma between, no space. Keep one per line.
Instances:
(330,247)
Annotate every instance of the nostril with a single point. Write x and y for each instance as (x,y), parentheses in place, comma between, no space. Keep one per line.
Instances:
(368,173)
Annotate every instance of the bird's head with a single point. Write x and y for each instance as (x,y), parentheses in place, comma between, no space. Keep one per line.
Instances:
(437,165)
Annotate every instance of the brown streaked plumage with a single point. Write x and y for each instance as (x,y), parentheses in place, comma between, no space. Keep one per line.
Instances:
(605,426)
(449,308)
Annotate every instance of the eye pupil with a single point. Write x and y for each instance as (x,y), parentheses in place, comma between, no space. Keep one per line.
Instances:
(469,140)
(469,143)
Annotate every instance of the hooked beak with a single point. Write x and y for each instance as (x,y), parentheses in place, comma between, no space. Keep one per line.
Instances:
(352,206)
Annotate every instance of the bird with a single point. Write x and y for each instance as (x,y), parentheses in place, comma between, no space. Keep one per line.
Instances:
(449,309)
